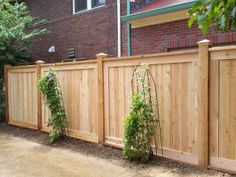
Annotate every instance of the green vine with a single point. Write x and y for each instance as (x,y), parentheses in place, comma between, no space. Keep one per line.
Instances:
(49,87)
(141,122)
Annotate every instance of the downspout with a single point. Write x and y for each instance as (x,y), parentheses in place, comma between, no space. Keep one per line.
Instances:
(118,29)
(128,31)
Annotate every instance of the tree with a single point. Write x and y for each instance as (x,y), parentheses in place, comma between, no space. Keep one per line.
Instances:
(218,13)
(17,29)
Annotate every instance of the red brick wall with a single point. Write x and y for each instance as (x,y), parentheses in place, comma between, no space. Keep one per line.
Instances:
(174,35)
(95,31)
(89,32)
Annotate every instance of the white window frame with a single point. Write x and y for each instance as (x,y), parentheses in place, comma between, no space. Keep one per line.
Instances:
(89,6)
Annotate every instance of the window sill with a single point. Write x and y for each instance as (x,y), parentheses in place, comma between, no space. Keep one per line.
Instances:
(84,11)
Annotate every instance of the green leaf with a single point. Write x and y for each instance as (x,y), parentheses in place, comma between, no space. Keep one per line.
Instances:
(191,20)
(209,13)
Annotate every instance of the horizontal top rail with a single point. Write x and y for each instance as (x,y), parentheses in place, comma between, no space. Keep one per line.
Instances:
(21,67)
(54,64)
(154,55)
(71,63)
(222,48)
(223,53)
(89,61)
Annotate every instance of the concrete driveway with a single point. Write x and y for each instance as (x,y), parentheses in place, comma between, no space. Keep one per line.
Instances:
(22,158)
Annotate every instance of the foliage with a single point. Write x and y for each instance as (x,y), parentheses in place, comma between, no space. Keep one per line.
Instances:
(219,13)
(17,29)
(141,122)
(52,97)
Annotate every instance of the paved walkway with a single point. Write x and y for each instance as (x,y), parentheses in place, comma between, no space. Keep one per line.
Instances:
(21,158)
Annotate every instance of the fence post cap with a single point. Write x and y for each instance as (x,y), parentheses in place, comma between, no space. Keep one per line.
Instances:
(40,62)
(205,42)
(101,55)
(7,66)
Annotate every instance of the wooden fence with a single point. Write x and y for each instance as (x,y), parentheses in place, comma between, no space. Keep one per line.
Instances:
(223,108)
(175,75)
(196,92)
(22,96)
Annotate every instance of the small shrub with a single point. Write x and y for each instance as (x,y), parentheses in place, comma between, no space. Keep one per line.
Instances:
(52,97)
(141,122)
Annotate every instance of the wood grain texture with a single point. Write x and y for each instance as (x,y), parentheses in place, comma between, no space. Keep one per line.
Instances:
(201,104)
(22,101)
(79,86)
(6,80)
(176,93)
(39,96)
(223,109)
(227,109)
(214,108)
(100,94)
(223,164)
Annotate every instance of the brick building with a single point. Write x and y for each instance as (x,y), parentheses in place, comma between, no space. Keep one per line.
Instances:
(88,27)
(162,25)
(88,30)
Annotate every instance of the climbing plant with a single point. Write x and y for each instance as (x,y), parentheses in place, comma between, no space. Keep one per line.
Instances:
(142,121)
(49,87)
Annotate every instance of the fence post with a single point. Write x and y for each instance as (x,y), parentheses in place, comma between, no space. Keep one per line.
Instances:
(39,98)
(201,103)
(100,58)
(6,92)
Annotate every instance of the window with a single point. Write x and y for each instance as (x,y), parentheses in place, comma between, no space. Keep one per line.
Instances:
(96,3)
(82,5)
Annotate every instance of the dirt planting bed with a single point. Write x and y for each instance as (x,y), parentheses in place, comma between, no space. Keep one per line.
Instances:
(157,167)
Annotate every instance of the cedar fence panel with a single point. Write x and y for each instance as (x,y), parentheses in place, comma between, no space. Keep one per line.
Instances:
(196,93)
(223,108)
(78,83)
(22,99)
(175,75)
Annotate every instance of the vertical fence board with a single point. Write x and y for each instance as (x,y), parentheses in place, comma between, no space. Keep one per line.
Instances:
(7,95)
(223,109)
(227,109)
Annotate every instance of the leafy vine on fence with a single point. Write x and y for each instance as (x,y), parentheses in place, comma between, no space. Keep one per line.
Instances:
(49,87)
(142,122)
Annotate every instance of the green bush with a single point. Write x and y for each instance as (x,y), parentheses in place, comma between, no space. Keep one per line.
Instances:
(52,97)
(17,29)
(141,122)
(213,13)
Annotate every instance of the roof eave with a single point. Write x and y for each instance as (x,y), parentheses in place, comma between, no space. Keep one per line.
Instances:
(159,11)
